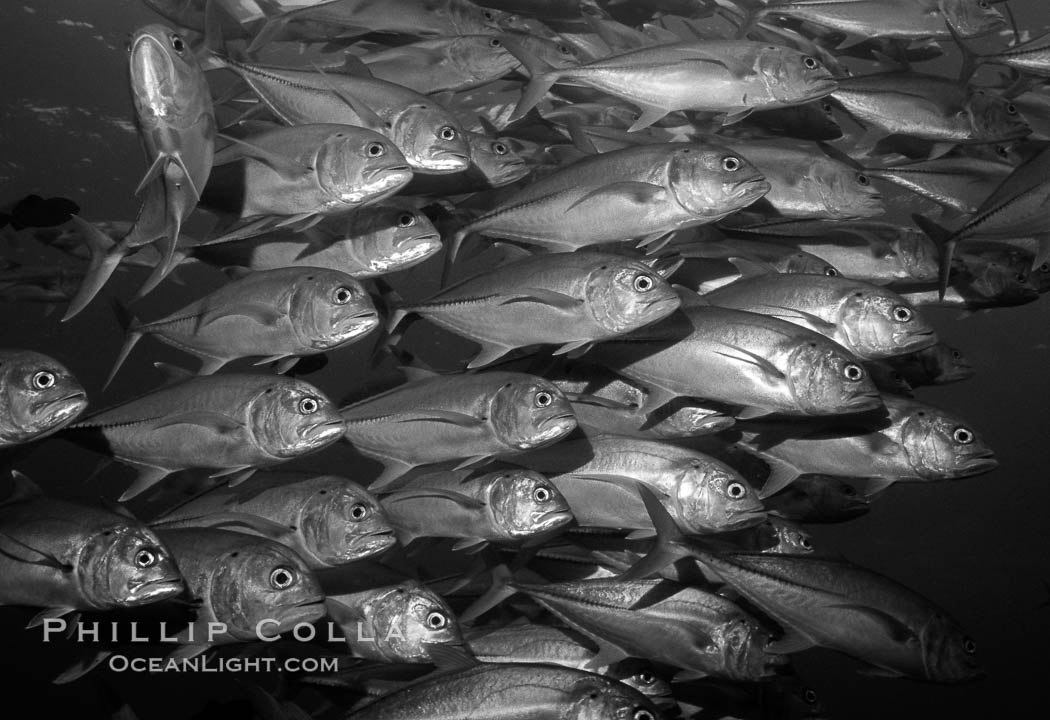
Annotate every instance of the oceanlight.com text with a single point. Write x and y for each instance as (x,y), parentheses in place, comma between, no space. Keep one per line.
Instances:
(208,664)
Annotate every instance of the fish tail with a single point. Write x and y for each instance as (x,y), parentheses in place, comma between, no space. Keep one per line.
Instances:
(169,258)
(970,58)
(214,41)
(945,240)
(499,591)
(131,326)
(451,252)
(106,255)
(669,539)
(751,15)
(542,75)
(276,18)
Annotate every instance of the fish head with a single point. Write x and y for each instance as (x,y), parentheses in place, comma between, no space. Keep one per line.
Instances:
(329,308)
(879,323)
(917,253)
(342,522)
(993,117)
(167,85)
(480,56)
(970,18)
(263,588)
(530,413)
(805,263)
(127,565)
(406,619)
(641,676)
(38,396)
(601,698)
(397,236)
(523,503)
(290,418)
(432,140)
(828,496)
(827,379)
(467,17)
(846,192)
(791,538)
(711,181)
(690,420)
(355,166)
(556,53)
(713,497)
(496,160)
(792,77)
(997,274)
(949,655)
(743,645)
(939,444)
(624,294)
(1040,276)
(946,364)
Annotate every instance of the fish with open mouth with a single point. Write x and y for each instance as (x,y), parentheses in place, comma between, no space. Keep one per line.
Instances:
(38,396)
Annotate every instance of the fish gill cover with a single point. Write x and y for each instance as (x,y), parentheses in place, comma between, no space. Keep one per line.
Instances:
(524,359)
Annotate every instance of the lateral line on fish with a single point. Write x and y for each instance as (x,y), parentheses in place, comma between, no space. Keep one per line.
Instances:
(190,350)
(511,208)
(477,299)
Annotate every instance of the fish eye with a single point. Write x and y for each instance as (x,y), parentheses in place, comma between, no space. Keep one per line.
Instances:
(282,577)
(730,164)
(342,295)
(489,15)
(146,557)
(736,491)
(309,405)
(495,43)
(565,50)
(962,435)
(853,372)
(543,399)
(499,148)
(43,380)
(643,283)
(646,678)
(849,490)
(375,149)
(863,179)
(1045,267)
(956,355)
(826,107)
(982,4)
(359,512)
(436,620)
(1002,150)
(1010,109)
(177,44)
(902,313)
(405,220)
(542,494)
(447,133)
(643,714)
(830,271)
(810,62)
(969,646)
(804,543)
(1021,277)
(810,696)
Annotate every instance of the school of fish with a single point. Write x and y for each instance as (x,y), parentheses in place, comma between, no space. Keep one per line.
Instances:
(641,289)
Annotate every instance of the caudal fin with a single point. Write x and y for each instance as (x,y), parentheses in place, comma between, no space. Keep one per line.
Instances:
(106,255)
(945,240)
(542,75)
(132,334)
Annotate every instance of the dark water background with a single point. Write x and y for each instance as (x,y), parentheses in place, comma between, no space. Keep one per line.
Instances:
(980,547)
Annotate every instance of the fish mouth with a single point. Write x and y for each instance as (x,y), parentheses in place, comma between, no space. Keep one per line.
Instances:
(60,404)
(324,431)
(556,418)
(978,464)
(371,544)
(152,70)
(552,519)
(865,401)
(424,240)
(821,86)
(753,187)
(737,520)
(445,161)
(715,423)
(304,612)
(357,325)
(148,591)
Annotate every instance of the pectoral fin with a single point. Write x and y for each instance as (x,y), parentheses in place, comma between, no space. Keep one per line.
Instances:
(894,628)
(281,164)
(19,551)
(626,191)
(816,322)
(148,476)
(416,493)
(551,298)
(262,314)
(222,424)
(746,356)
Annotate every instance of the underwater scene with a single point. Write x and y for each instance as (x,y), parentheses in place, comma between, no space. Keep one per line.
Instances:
(524,359)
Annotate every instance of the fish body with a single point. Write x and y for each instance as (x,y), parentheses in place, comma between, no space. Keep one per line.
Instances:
(281,314)
(513,691)
(456,417)
(599,477)
(727,76)
(870,321)
(396,623)
(231,422)
(38,396)
(428,136)
(493,164)
(624,194)
(681,626)
(176,123)
(918,442)
(454,63)
(378,238)
(935,365)
(327,520)
(959,183)
(66,556)
(250,588)
(817,499)
(570,299)
(762,363)
(304,170)
(506,507)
